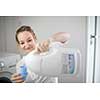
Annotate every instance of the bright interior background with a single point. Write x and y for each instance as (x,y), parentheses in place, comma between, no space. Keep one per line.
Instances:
(44,26)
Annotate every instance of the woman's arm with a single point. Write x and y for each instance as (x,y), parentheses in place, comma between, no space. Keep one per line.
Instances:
(62,37)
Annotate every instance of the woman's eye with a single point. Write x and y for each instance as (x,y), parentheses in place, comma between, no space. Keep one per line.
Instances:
(29,40)
(22,43)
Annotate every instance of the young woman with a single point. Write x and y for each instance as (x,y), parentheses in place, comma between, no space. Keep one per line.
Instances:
(27,41)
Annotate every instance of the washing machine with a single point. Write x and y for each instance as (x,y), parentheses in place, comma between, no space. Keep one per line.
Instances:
(8,64)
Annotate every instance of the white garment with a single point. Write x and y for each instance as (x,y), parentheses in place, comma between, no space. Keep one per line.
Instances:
(35,78)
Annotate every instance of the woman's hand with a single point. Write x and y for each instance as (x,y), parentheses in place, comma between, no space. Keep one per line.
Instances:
(62,37)
(43,46)
(17,78)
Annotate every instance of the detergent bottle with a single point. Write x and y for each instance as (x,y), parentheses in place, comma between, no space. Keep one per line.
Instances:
(57,61)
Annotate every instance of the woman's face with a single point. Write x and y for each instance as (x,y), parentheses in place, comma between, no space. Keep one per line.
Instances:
(26,41)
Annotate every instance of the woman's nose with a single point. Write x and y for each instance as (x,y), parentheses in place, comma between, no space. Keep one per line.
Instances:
(26,45)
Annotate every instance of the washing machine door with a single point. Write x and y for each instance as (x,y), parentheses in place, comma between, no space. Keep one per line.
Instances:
(5,77)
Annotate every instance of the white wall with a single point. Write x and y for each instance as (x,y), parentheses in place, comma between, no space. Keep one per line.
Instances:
(44,26)
(2,35)
(8,26)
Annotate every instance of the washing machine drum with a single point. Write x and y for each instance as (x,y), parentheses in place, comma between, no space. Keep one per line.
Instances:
(5,77)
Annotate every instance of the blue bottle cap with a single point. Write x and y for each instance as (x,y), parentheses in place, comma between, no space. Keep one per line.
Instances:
(23,71)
